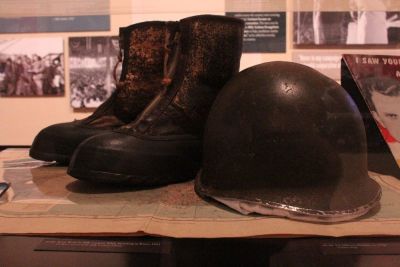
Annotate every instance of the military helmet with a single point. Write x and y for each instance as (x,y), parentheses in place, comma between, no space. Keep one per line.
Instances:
(283,139)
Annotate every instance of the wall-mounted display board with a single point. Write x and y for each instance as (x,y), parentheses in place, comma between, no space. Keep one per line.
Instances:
(265,24)
(328,62)
(32,67)
(91,64)
(16,16)
(150,10)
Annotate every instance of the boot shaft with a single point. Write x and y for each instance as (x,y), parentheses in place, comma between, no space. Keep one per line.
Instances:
(143,46)
(211,47)
(204,57)
(211,51)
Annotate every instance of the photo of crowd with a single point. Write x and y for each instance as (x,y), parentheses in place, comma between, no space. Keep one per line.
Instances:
(31,67)
(91,61)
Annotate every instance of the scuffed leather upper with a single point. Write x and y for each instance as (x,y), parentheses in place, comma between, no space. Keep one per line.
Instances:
(209,53)
(142,72)
(145,48)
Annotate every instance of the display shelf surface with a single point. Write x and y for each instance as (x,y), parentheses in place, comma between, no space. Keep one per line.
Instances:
(43,199)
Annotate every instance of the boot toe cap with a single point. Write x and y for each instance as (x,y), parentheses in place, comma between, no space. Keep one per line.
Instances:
(57,142)
(117,158)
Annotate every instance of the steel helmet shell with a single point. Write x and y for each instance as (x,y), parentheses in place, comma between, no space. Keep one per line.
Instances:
(287,140)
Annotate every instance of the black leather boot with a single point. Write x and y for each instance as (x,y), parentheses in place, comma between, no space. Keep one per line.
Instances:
(143,46)
(163,145)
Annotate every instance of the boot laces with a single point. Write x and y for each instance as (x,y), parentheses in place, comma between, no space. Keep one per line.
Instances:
(116,65)
(170,47)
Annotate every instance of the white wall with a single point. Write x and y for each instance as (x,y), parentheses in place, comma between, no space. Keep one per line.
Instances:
(21,118)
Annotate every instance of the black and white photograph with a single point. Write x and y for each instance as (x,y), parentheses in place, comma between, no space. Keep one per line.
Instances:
(365,23)
(31,67)
(91,65)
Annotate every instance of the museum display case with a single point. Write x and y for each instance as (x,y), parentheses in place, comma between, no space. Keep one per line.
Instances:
(256,132)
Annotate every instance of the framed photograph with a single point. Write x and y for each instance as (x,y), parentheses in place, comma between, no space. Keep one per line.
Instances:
(361,22)
(91,64)
(377,78)
(31,67)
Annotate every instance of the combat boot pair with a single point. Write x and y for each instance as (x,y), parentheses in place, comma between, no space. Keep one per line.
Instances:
(153,123)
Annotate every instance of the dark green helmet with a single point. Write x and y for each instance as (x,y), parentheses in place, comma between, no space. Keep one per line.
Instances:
(283,139)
